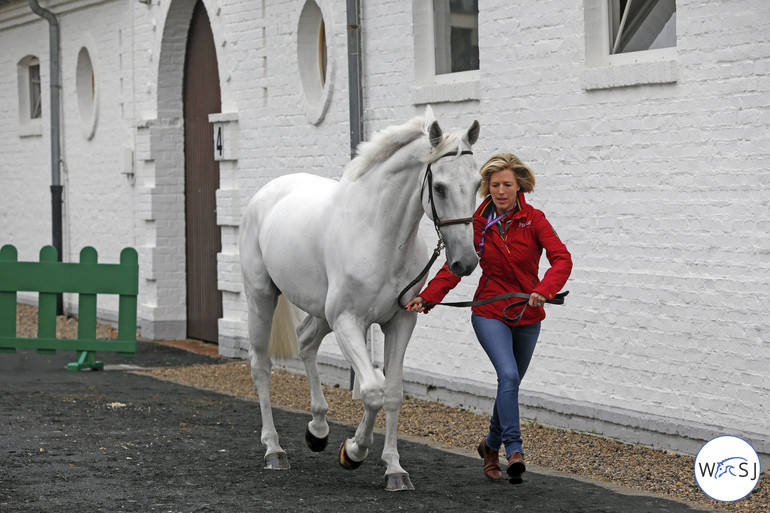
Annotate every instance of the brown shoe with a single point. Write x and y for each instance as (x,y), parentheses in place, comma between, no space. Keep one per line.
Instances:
(516,468)
(491,461)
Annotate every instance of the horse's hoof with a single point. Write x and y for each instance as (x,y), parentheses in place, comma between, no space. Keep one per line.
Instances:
(398,482)
(346,462)
(316,444)
(277,461)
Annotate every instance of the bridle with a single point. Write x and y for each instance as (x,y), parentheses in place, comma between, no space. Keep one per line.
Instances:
(437,222)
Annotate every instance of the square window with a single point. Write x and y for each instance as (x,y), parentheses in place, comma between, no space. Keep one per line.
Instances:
(446,51)
(35,107)
(629,42)
(30,99)
(641,25)
(456,35)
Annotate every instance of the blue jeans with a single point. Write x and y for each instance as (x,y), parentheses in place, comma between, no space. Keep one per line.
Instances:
(510,349)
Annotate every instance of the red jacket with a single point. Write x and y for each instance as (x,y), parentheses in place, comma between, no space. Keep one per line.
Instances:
(510,263)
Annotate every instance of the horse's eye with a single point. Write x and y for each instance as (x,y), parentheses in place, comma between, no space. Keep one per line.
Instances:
(439,190)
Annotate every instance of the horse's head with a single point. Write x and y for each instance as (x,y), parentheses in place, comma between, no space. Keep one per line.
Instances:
(450,184)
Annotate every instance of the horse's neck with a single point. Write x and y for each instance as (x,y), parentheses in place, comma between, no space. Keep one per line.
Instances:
(390,199)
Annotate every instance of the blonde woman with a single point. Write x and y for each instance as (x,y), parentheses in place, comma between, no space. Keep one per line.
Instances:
(510,237)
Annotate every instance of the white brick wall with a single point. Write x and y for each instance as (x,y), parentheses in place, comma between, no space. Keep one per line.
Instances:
(25,169)
(660,190)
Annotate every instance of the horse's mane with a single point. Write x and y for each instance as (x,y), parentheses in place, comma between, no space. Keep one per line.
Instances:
(386,142)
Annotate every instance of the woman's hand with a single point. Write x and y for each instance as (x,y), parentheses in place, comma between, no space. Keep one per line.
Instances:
(415,305)
(535,299)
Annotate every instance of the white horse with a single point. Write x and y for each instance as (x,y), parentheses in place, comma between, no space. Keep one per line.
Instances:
(342,251)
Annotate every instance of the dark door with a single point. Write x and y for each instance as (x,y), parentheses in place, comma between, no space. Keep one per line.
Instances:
(203,240)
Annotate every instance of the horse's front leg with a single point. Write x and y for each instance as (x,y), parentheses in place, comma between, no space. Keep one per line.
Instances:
(397,333)
(311,332)
(350,337)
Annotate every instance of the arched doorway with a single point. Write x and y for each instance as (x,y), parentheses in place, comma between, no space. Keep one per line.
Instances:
(202,234)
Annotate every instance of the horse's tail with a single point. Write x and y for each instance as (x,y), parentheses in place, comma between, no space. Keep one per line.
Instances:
(283,335)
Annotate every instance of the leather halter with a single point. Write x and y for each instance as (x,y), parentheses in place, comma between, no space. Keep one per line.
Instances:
(437,222)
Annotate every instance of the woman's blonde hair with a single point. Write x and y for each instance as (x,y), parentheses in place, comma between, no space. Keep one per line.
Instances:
(501,162)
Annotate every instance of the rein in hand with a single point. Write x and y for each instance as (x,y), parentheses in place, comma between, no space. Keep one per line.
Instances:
(558,299)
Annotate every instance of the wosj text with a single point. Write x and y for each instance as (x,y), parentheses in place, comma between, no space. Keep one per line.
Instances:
(735,466)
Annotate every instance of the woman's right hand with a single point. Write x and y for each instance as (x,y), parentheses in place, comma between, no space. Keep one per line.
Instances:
(415,305)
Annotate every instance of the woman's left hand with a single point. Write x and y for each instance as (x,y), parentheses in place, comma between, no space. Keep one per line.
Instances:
(536,299)
(415,305)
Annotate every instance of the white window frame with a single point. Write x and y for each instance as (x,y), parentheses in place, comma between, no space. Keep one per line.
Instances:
(28,126)
(315,44)
(428,86)
(604,70)
(86,86)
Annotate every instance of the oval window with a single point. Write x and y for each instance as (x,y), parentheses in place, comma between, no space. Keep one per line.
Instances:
(314,61)
(85,84)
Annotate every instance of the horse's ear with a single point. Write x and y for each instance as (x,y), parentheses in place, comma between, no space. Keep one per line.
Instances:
(435,134)
(472,135)
(429,113)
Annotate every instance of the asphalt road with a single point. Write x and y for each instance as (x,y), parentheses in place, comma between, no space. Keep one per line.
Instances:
(114,440)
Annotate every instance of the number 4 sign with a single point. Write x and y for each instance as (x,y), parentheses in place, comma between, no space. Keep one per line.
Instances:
(225,125)
(219,148)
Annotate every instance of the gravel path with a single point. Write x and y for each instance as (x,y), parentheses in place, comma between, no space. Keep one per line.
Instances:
(580,454)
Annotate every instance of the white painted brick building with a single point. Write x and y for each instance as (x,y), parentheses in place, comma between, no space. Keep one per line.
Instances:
(653,169)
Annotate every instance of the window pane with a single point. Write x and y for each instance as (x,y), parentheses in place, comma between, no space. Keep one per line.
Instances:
(322,53)
(456,35)
(639,25)
(35,108)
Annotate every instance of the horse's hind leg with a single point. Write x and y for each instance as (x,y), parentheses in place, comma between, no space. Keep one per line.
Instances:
(261,300)
(261,311)
(311,332)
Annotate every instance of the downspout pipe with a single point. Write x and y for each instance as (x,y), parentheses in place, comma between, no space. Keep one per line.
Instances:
(355,61)
(55,80)
(355,89)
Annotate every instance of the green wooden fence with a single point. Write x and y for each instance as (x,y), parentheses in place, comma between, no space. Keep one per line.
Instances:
(86,278)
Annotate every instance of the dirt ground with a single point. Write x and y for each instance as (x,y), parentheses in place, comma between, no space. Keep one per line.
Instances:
(116,440)
(604,462)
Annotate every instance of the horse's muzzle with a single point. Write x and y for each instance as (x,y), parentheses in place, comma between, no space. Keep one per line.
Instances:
(463,268)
